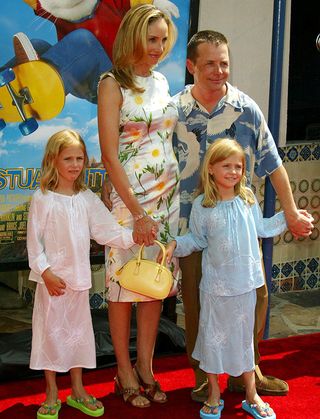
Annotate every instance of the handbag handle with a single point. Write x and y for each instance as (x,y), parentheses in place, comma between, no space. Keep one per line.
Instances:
(161,247)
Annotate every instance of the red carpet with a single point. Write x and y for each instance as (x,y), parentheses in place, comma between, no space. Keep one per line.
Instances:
(295,359)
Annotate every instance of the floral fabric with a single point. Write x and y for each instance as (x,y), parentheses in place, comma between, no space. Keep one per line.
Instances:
(147,121)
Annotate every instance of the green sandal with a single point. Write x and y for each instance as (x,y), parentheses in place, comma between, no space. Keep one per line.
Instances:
(56,407)
(80,404)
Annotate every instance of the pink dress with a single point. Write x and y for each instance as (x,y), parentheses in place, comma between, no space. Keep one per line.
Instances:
(58,236)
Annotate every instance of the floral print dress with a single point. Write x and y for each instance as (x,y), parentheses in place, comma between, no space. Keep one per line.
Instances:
(147,121)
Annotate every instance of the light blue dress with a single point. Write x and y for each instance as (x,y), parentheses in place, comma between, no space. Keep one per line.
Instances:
(231,271)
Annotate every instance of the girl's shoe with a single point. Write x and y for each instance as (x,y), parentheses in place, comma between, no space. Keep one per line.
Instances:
(56,407)
(211,415)
(129,394)
(150,390)
(82,405)
(254,409)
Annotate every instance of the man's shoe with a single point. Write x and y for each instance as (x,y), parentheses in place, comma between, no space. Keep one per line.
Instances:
(271,386)
(23,48)
(266,385)
(200,392)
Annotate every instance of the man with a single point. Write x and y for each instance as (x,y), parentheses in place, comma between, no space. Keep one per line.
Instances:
(208,110)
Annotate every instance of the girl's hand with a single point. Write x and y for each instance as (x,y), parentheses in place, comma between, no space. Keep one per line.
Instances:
(106,192)
(170,247)
(145,231)
(54,284)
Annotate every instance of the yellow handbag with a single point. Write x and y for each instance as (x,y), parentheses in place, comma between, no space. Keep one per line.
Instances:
(147,277)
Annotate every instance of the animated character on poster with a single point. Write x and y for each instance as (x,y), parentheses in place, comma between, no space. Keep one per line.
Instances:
(85,31)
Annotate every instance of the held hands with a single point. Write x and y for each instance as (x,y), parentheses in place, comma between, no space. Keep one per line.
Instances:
(301,224)
(169,252)
(145,231)
(54,284)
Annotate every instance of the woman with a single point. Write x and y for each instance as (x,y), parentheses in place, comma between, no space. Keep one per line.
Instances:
(136,122)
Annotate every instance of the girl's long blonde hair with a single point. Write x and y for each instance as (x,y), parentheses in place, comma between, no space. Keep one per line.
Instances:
(218,151)
(56,143)
(130,44)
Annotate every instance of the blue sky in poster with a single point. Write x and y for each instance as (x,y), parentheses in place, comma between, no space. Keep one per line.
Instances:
(26,151)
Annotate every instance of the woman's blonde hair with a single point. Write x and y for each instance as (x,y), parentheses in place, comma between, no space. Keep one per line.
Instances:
(218,151)
(130,44)
(56,143)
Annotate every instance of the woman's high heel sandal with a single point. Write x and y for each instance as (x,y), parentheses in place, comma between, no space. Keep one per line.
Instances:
(150,390)
(129,394)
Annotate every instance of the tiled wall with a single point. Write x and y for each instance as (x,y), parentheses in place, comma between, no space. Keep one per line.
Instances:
(296,263)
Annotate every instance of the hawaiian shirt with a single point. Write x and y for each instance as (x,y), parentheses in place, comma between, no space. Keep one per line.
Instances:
(236,116)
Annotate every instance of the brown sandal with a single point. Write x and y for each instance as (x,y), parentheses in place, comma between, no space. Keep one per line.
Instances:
(150,390)
(129,394)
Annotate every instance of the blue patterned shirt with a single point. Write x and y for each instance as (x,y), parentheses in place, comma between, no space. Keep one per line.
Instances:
(236,116)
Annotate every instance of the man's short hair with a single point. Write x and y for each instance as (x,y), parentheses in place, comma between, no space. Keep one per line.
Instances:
(210,37)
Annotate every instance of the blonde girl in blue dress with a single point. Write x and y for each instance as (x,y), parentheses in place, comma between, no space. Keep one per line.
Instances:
(225,223)
(136,121)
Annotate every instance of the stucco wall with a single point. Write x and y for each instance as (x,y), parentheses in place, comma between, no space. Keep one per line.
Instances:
(248,26)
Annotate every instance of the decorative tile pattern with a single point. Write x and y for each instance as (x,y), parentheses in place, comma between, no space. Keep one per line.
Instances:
(96,300)
(313,265)
(302,152)
(287,269)
(274,287)
(296,275)
(316,152)
(292,269)
(305,152)
(312,281)
(275,271)
(300,267)
(293,154)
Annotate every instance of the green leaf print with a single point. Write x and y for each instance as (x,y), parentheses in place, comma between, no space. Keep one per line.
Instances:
(157,172)
(147,120)
(127,154)
(138,177)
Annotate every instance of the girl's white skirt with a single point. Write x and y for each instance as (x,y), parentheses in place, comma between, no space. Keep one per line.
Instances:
(62,331)
(225,336)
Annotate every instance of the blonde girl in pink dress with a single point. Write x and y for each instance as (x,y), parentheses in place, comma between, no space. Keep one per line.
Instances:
(63,217)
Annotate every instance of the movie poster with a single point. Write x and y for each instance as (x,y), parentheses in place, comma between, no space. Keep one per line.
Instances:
(55,89)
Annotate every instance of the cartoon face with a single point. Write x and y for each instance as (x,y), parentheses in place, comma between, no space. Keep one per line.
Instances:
(70,10)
